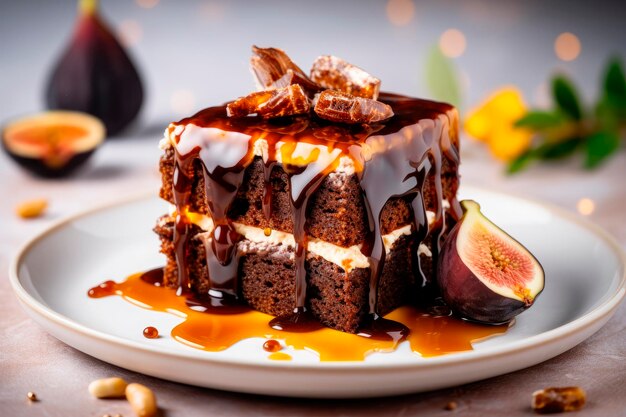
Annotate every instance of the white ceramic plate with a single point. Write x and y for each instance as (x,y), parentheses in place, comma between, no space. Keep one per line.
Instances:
(585,282)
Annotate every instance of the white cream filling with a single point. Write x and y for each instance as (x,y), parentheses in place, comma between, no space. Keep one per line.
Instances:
(347,258)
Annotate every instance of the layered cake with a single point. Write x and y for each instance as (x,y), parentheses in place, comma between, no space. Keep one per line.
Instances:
(314,197)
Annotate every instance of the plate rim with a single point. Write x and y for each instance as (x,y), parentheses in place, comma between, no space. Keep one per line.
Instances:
(577,325)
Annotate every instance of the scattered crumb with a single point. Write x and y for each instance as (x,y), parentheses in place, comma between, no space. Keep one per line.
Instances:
(558,399)
(31,396)
(31,208)
(452,405)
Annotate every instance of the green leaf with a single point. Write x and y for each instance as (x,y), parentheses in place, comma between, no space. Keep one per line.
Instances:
(600,146)
(539,120)
(521,162)
(615,83)
(441,77)
(558,150)
(566,97)
(607,116)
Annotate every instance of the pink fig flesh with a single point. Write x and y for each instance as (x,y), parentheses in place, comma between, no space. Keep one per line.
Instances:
(483,273)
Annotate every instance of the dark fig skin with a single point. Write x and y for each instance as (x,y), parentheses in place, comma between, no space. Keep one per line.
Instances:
(40,169)
(467,295)
(95,75)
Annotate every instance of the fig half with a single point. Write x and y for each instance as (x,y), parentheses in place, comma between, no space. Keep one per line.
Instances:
(483,273)
(53,144)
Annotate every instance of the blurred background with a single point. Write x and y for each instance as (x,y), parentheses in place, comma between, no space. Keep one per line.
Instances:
(195,53)
(192,54)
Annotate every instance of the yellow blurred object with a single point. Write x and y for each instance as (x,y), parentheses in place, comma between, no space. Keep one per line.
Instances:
(493,122)
(31,208)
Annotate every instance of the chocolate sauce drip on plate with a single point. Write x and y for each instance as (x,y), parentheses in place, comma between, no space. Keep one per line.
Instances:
(392,159)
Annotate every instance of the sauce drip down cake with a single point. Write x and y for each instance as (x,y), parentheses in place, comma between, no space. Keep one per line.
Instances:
(316,199)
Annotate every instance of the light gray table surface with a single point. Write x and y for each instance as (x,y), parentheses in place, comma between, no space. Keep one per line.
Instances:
(32,33)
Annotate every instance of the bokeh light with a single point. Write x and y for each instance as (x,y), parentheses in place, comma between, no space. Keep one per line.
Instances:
(585,206)
(147,4)
(567,46)
(452,43)
(130,32)
(400,12)
(182,102)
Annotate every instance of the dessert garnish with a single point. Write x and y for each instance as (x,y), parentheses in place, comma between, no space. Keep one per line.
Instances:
(558,399)
(342,92)
(272,68)
(345,108)
(95,74)
(284,101)
(484,274)
(142,400)
(336,74)
(32,208)
(114,387)
(54,143)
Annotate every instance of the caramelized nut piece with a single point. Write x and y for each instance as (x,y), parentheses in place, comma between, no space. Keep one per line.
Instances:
(346,108)
(557,400)
(331,72)
(108,388)
(32,208)
(273,69)
(141,399)
(286,101)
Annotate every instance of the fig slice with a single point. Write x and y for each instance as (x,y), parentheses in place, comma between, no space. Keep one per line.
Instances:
(483,273)
(54,143)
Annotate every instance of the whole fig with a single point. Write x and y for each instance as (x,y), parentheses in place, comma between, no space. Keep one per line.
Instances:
(95,75)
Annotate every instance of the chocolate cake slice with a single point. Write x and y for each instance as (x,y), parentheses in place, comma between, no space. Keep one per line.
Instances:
(299,215)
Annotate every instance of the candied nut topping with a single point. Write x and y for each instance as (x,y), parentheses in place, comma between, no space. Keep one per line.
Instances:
(334,73)
(345,108)
(558,400)
(285,101)
(273,69)
(350,95)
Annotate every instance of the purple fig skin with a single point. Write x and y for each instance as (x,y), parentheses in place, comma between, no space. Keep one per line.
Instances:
(96,76)
(466,294)
(40,169)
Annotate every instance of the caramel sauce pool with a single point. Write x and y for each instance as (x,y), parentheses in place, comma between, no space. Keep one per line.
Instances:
(429,335)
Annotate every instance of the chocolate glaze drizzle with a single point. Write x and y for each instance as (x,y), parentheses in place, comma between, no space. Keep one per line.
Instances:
(391,159)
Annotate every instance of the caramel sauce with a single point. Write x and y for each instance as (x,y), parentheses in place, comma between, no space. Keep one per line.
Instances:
(272,345)
(423,132)
(280,356)
(150,332)
(428,335)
